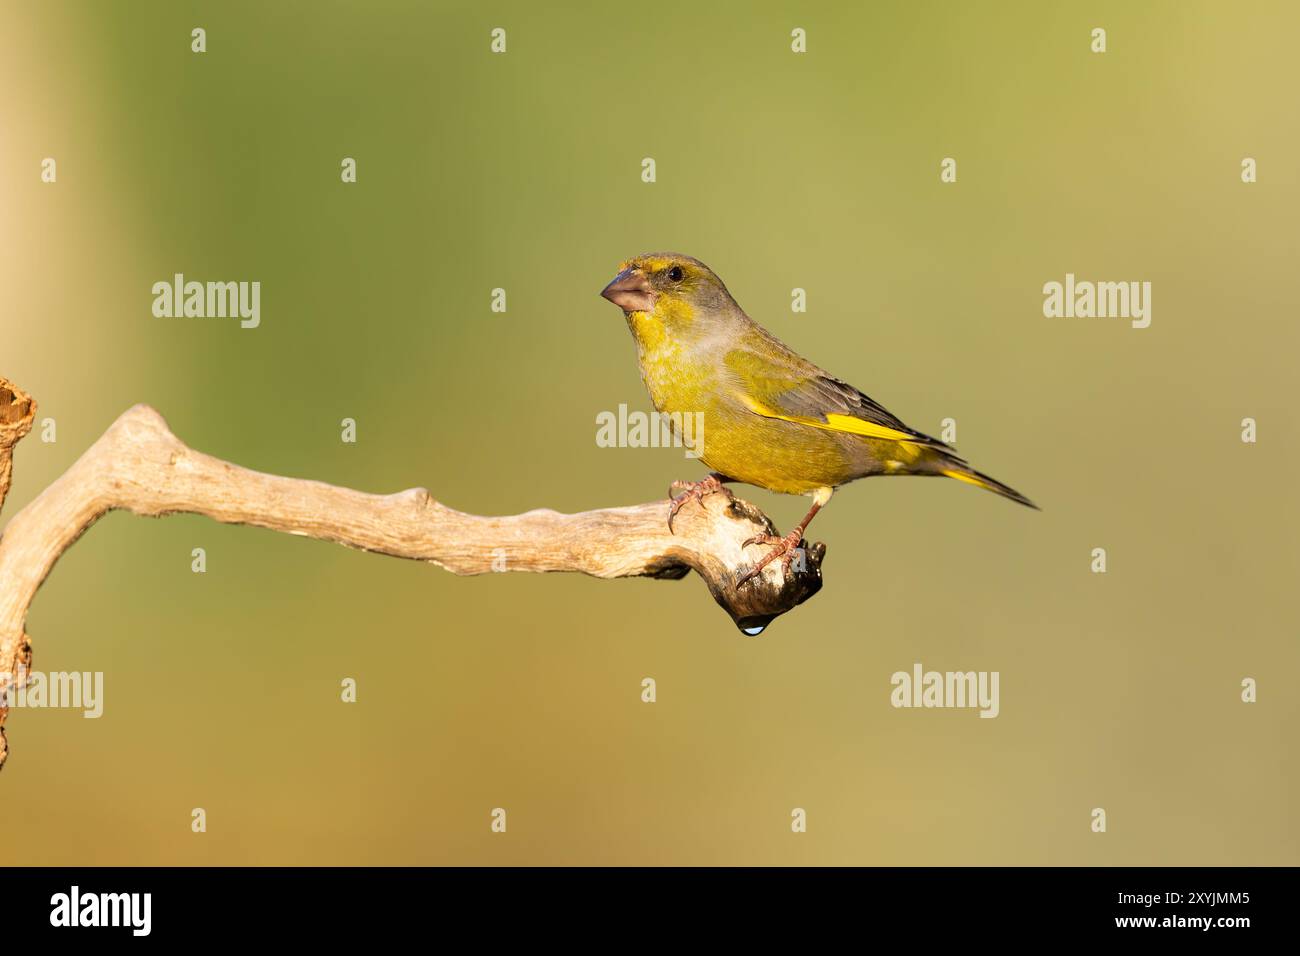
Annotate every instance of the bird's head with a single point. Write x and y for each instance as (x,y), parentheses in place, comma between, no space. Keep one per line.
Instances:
(671,287)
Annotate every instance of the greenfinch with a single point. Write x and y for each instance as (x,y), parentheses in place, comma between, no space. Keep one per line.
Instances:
(770,417)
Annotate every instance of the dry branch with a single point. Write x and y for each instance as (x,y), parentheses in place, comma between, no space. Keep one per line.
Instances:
(138,465)
(17,412)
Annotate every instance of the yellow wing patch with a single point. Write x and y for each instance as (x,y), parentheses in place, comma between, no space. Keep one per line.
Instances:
(836,423)
(858,426)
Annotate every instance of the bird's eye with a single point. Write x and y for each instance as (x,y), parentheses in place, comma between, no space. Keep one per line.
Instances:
(675,273)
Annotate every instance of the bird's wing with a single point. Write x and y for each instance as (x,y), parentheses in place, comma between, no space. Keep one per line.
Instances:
(777,383)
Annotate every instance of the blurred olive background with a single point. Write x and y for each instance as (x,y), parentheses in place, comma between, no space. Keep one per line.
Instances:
(522,171)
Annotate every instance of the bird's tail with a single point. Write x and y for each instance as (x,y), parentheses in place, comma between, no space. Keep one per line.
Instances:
(950,466)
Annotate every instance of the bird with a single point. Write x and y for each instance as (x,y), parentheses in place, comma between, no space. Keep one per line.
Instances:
(771,418)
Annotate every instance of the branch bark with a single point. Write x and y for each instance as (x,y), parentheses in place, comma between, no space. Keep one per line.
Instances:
(138,465)
(17,412)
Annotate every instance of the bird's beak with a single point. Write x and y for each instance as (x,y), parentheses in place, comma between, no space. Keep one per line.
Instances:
(630,291)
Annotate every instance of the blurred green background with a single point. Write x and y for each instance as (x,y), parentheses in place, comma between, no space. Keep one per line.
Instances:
(522,171)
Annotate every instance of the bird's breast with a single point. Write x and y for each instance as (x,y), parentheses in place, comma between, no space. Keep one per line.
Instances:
(677,380)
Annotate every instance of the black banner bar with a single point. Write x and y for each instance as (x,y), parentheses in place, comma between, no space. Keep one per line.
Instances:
(334,906)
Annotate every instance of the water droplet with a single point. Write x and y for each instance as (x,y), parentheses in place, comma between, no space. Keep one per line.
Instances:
(755,624)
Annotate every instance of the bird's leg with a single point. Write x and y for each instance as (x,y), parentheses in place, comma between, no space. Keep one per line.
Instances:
(693,491)
(785,547)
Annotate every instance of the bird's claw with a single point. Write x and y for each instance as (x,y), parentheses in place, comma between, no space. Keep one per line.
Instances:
(693,491)
(782,547)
